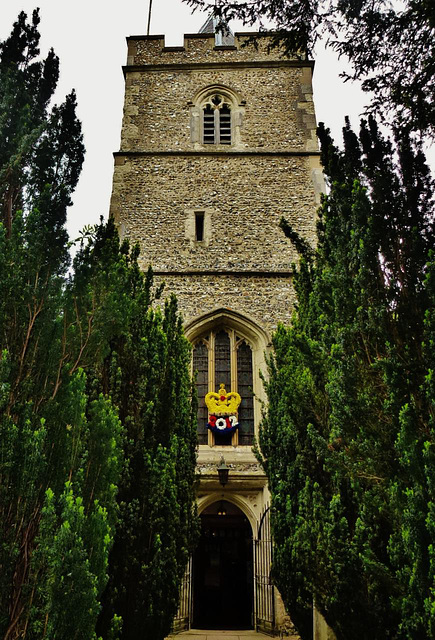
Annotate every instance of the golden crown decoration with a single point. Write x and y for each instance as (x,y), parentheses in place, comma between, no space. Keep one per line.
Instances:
(222,403)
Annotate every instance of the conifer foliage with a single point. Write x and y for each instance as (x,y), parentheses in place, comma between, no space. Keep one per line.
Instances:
(146,372)
(348,441)
(94,389)
(390,46)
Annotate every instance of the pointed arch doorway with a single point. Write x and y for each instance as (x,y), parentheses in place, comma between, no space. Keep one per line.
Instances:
(223,570)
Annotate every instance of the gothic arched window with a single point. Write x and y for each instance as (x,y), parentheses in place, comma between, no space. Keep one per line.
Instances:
(216,117)
(222,356)
(216,113)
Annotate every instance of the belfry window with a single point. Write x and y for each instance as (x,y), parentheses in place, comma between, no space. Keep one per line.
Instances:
(216,121)
(225,125)
(222,360)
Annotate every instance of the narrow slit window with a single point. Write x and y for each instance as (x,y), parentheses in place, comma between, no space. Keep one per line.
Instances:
(200,367)
(245,388)
(199,226)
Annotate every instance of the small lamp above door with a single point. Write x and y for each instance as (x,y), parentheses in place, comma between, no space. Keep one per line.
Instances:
(223,471)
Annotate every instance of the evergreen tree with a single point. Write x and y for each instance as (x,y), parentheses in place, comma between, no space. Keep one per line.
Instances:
(56,516)
(146,372)
(348,437)
(87,370)
(390,45)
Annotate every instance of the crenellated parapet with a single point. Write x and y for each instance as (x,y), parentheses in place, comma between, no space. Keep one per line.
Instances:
(201,48)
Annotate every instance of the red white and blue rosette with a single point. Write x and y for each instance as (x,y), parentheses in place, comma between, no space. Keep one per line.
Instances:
(222,424)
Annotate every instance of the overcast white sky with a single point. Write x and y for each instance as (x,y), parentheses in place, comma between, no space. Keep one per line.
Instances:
(89,38)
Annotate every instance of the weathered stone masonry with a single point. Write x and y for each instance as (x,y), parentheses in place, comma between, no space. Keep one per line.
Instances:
(235,275)
(163,173)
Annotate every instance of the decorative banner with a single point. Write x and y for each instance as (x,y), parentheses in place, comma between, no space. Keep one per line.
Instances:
(222,424)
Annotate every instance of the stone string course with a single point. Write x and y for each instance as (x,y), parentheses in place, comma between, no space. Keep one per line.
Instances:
(210,468)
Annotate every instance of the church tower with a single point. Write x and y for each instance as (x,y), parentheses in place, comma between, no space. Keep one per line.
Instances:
(218,143)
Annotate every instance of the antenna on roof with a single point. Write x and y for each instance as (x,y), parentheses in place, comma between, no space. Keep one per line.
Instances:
(149,17)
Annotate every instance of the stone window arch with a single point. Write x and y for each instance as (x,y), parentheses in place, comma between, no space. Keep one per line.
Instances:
(216,117)
(226,350)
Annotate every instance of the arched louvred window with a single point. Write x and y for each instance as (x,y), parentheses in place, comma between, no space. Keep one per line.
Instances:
(216,121)
(222,357)
(200,366)
(245,389)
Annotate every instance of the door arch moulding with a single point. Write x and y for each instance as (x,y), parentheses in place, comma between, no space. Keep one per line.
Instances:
(240,322)
(237,500)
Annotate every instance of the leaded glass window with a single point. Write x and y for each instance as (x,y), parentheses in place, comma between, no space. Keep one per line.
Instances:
(223,357)
(222,360)
(200,365)
(244,388)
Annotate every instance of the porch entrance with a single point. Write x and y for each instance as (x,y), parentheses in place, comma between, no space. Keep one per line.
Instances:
(222,570)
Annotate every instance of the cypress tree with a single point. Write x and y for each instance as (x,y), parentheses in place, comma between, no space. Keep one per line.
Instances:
(94,386)
(348,437)
(146,372)
(56,515)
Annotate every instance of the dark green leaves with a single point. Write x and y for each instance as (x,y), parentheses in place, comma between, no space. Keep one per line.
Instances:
(348,436)
(95,393)
(390,46)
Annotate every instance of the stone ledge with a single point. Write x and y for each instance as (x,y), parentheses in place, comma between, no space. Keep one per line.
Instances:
(236,64)
(226,153)
(221,272)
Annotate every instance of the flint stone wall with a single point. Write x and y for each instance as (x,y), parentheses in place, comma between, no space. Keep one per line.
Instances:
(164,174)
(277,114)
(266,300)
(200,48)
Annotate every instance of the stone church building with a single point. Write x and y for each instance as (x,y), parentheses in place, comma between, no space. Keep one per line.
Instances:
(218,143)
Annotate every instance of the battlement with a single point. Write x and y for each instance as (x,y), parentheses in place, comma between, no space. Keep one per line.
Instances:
(200,48)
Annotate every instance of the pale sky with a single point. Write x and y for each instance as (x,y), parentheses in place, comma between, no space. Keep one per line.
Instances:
(89,38)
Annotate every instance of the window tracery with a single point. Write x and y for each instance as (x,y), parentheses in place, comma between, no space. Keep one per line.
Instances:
(224,357)
(216,123)
(216,116)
